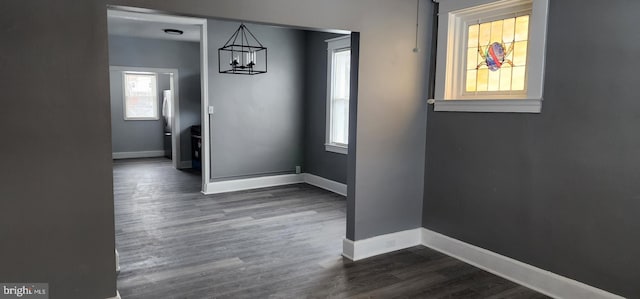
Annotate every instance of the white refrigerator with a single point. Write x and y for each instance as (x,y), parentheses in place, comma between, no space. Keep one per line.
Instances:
(167,118)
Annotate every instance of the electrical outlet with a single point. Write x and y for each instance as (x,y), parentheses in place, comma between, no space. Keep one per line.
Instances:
(210,109)
(298,169)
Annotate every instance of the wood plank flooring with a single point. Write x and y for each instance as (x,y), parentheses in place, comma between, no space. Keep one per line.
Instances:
(281,242)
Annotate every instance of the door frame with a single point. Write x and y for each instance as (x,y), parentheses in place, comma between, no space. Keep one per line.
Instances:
(175,109)
(133,13)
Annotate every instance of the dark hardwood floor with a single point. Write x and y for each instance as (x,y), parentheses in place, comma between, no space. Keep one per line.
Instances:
(281,242)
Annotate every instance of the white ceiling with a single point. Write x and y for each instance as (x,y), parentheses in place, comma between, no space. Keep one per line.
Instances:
(120,24)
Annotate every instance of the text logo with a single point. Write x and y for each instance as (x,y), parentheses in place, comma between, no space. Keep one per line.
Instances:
(24,290)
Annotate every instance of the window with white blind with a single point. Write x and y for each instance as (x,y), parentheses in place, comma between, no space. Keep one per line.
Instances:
(140,96)
(338,75)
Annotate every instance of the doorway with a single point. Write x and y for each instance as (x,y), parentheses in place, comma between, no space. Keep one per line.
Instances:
(136,135)
(261,100)
(174,48)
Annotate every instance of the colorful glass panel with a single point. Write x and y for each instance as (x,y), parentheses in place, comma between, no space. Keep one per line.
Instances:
(497,55)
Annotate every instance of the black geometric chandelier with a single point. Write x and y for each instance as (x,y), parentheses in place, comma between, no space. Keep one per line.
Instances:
(242,54)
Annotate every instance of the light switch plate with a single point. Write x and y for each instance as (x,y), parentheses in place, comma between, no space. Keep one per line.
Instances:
(210,109)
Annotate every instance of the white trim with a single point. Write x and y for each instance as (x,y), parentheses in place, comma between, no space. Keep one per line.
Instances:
(272,181)
(522,106)
(537,279)
(119,12)
(348,249)
(326,184)
(339,42)
(340,149)
(185,164)
(362,249)
(252,183)
(124,68)
(174,79)
(204,84)
(117,261)
(175,88)
(543,281)
(141,154)
(117,296)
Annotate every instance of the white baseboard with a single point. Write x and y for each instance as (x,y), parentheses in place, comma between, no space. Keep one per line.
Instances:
(271,181)
(117,261)
(117,296)
(537,279)
(326,184)
(363,249)
(543,281)
(252,183)
(117,270)
(143,154)
(185,164)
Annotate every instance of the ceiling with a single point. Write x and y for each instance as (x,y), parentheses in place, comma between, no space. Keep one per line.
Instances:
(123,25)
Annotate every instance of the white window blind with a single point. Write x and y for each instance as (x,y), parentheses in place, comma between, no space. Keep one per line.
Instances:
(338,83)
(140,96)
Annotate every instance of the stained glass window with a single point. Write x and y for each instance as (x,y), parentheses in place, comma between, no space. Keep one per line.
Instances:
(497,55)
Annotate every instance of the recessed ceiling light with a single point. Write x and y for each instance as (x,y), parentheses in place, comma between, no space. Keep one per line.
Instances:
(173,31)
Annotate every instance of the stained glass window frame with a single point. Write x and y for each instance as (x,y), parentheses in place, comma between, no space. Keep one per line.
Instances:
(452,51)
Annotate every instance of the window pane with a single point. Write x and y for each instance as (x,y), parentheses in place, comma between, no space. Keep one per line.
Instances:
(520,53)
(473,35)
(471,80)
(517,83)
(508,30)
(483,79)
(505,79)
(340,97)
(522,28)
(484,36)
(496,31)
(494,81)
(342,66)
(340,121)
(141,96)
(472,58)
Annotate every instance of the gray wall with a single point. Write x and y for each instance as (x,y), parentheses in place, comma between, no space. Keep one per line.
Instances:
(317,160)
(558,190)
(258,124)
(353,133)
(389,161)
(185,56)
(58,183)
(56,192)
(135,135)
(573,166)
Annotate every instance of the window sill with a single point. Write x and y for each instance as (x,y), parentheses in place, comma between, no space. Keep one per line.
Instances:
(142,118)
(336,148)
(517,106)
